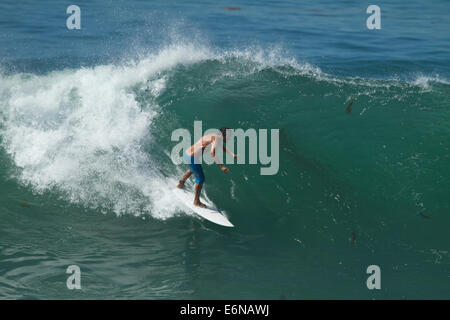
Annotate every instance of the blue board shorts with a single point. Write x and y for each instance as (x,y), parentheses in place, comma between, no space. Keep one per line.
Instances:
(196,169)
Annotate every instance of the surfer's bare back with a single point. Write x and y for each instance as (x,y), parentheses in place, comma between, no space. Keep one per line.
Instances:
(195,152)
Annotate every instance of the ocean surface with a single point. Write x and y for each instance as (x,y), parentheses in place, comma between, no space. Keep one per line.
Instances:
(86,118)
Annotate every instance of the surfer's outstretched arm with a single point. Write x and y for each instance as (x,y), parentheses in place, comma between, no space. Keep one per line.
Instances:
(223,168)
(213,155)
(229,152)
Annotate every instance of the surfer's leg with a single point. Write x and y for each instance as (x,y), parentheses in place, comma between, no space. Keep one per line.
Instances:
(198,189)
(185,177)
(197,170)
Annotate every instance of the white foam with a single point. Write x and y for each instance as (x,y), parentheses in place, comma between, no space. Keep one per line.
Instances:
(424,81)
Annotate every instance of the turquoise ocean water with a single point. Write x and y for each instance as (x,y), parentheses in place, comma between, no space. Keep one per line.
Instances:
(86,118)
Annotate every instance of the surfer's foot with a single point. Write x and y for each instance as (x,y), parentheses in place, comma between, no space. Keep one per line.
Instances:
(180,184)
(199,204)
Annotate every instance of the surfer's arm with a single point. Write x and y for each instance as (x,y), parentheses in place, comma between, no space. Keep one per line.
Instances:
(213,155)
(229,152)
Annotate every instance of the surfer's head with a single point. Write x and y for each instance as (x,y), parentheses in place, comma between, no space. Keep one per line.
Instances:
(225,133)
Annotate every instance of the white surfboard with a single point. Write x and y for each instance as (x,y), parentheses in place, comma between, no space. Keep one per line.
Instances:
(210,212)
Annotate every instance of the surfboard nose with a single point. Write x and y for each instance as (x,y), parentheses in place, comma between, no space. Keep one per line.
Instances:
(209,213)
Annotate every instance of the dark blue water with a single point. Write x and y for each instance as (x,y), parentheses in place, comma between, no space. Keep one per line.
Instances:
(330,34)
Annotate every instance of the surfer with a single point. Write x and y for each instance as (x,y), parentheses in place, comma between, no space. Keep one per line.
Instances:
(193,157)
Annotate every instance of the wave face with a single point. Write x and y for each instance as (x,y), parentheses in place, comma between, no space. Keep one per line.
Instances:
(371,174)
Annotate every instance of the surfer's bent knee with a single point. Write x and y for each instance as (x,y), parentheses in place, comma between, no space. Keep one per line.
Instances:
(200,179)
